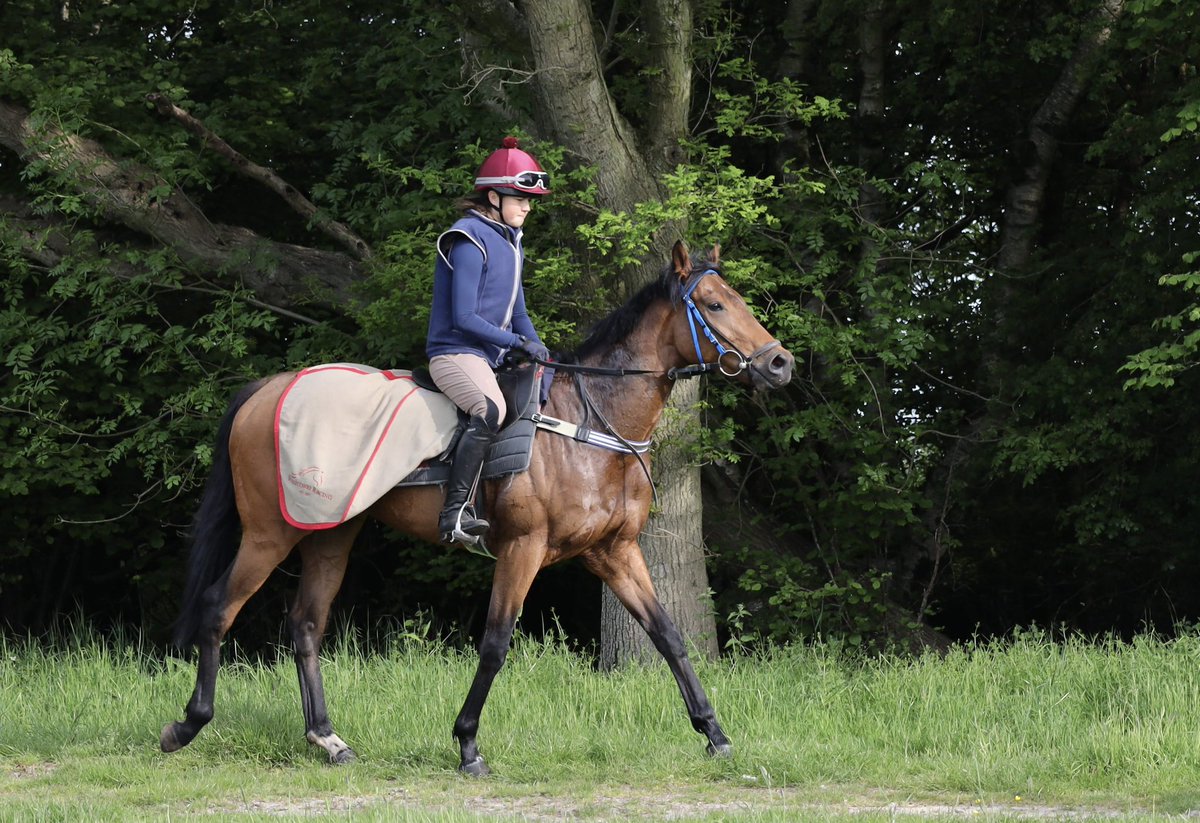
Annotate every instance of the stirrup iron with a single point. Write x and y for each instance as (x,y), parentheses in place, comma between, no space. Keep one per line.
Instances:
(472,541)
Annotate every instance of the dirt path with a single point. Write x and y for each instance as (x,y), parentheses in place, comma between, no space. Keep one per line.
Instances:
(640,806)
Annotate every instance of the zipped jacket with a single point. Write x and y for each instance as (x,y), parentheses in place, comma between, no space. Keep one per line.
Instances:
(478,297)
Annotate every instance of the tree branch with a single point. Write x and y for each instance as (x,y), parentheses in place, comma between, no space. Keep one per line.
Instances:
(43,241)
(132,195)
(492,27)
(298,202)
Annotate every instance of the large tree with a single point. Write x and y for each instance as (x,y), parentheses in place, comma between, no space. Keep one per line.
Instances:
(138,193)
(563,48)
(967,249)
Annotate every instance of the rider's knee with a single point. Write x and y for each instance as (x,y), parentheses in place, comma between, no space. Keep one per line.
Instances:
(491,414)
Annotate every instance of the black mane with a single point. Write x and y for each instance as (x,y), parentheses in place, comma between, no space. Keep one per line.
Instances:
(620,323)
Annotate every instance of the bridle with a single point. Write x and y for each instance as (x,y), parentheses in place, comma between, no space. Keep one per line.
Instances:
(697,325)
(696,320)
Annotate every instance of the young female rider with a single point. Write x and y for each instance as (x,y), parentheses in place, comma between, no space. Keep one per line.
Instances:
(479,315)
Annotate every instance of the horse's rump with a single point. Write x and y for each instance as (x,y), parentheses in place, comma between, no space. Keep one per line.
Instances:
(346,434)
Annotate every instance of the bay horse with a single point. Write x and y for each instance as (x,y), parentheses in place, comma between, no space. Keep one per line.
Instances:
(575,500)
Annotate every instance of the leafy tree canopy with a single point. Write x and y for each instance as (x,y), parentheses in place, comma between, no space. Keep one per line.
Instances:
(974,223)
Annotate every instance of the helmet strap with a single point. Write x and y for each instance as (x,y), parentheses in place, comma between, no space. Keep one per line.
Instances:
(498,205)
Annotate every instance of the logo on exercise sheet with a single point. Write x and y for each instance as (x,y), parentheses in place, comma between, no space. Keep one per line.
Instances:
(309,481)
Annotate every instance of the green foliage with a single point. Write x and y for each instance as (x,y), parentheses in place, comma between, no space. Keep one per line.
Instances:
(1160,365)
(114,372)
(120,358)
(958,447)
(750,105)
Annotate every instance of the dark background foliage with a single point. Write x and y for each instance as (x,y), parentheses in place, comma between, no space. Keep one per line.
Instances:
(962,451)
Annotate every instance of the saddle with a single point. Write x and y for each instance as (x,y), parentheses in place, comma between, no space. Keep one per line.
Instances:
(510,452)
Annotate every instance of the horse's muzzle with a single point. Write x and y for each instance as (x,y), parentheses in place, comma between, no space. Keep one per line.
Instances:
(771,366)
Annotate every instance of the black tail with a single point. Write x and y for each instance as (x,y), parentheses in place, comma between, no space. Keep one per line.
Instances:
(214,533)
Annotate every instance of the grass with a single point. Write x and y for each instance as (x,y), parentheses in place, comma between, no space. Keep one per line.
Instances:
(1027,728)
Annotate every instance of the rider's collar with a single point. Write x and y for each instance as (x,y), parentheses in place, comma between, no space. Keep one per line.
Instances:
(512,234)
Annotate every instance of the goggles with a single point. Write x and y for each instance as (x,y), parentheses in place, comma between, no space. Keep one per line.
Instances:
(525,180)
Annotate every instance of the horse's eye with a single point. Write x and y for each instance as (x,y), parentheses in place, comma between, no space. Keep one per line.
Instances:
(714,306)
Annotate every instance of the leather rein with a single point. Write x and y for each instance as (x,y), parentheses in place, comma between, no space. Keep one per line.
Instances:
(697,324)
(613,441)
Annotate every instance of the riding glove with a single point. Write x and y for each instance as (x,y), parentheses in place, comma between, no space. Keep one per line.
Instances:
(533,348)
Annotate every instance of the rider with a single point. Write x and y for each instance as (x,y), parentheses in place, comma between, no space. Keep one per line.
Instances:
(479,315)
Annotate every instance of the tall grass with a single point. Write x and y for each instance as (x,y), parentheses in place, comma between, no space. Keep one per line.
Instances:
(1065,722)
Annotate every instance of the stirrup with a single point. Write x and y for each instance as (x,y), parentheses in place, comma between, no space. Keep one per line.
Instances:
(471,542)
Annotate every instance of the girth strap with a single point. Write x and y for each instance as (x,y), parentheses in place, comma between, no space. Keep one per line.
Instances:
(585,434)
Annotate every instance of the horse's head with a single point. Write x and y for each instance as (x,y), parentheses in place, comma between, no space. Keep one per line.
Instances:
(715,326)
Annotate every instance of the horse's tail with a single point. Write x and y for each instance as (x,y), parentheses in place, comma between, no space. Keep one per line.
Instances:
(213,536)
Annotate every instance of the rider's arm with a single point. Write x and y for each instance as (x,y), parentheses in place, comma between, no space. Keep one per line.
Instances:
(466,260)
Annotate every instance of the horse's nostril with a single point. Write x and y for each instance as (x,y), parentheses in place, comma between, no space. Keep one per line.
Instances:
(780,363)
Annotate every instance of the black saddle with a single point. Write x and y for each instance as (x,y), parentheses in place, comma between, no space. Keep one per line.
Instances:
(510,451)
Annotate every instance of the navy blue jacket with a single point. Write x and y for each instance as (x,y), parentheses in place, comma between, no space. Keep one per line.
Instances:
(478,296)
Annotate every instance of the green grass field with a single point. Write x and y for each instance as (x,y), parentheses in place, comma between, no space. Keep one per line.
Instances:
(1020,730)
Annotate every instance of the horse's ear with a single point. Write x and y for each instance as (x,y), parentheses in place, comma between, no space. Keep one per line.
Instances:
(714,256)
(681,260)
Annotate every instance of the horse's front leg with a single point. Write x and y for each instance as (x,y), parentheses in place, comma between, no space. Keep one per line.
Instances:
(516,566)
(624,570)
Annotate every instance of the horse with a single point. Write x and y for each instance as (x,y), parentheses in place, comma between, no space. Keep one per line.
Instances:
(576,500)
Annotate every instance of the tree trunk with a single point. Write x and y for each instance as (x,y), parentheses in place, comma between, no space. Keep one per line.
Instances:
(577,109)
(1025,199)
(672,543)
(794,145)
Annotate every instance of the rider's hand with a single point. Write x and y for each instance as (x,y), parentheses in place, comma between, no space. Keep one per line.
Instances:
(533,348)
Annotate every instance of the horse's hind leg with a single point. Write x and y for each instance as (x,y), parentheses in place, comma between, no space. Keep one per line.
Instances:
(624,571)
(324,555)
(257,557)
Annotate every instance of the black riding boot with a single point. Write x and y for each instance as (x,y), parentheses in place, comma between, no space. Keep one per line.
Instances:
(458,522)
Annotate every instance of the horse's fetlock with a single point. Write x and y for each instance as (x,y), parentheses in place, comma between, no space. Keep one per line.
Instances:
(320,730)
(706,723)
(465,730)
(199,714)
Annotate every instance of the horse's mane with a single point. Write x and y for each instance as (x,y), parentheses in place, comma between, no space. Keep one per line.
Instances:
(620,323)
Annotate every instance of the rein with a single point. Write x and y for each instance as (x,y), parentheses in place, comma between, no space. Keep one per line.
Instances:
(673,373)
(613,440)
(696,321)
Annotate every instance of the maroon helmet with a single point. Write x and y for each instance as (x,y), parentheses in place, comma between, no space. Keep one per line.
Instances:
(511,171)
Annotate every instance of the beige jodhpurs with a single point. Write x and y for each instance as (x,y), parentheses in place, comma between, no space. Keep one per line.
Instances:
(469,381)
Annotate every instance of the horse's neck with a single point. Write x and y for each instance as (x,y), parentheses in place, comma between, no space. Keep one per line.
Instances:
(632,404)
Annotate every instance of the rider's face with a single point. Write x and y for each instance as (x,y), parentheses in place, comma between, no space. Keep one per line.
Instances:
(513,210)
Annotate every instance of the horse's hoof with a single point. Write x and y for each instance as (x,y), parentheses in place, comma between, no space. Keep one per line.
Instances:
(475,768)
(167,740)
(343,757)
(720,750)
